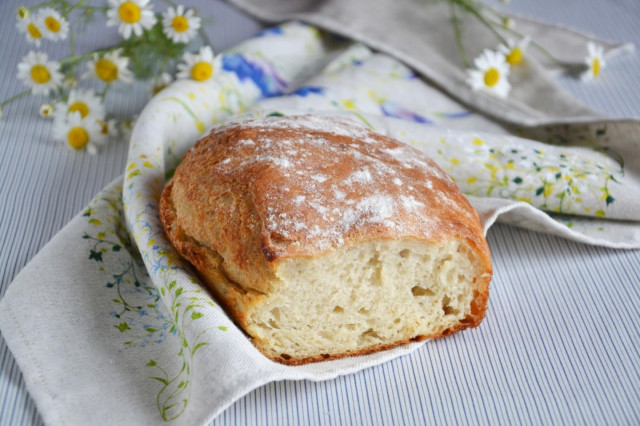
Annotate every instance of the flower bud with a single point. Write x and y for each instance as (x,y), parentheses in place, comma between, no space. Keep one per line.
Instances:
(46,110)
(23,12)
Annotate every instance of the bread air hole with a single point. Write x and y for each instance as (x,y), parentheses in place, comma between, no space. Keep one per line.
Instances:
(448,310)
(418,291)
(369,334)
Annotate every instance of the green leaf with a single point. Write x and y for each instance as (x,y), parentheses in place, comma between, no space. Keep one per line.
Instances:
(178,291)
(116,247)
(123,326)
(196,315)
(162,290)
(161,380)
(150,330)
(151,363)
(609,199)
(167,408)
(172,284)
(198,346)
(517,180)
(540,190)
(275,114)
(222,328)
(95,255)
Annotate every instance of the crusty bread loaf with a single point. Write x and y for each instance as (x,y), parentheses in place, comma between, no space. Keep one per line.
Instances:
(323,239)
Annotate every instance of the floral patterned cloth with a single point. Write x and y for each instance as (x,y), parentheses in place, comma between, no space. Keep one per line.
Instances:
(154,343)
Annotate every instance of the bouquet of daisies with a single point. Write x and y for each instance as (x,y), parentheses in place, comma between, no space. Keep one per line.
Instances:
(151,43)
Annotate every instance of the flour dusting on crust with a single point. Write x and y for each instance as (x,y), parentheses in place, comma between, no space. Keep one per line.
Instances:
(323,181)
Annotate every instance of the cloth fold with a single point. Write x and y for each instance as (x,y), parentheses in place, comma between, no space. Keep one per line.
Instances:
(426,42)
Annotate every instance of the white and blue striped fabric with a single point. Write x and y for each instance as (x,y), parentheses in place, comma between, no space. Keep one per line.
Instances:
(561,341)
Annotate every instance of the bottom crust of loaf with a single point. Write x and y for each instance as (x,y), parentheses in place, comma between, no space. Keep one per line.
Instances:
(367,297)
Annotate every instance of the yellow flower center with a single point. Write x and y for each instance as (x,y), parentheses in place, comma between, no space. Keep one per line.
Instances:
(40,74)
(491,77)
(596,67)
(33,31)
(515,56)
(180,24)
(106,70)
(52,24)
(78,137)
(129,12)
(201,71)
(79,106)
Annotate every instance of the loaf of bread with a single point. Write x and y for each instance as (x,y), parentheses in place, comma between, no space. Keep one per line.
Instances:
(323,239)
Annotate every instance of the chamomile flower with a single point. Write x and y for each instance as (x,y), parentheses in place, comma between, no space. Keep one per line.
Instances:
(46,110)
(86,102)
(78,133)
(109,68)
(109,128)
(53,25)
(160,82)
(179,25)
(131,16)
(595,62)
(490,74)
(29,27)
(37,72)
(514,51)
(198,67)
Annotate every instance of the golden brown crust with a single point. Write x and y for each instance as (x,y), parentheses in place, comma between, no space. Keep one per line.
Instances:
(252,194)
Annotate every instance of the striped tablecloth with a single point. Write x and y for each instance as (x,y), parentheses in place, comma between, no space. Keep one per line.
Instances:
(561,341)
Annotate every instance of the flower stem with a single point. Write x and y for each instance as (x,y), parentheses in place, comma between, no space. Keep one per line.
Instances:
(15,97)
(72,60)
(44,4)
(473,9)
(458,32)
(78,4)
(203,35)
(104,92)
